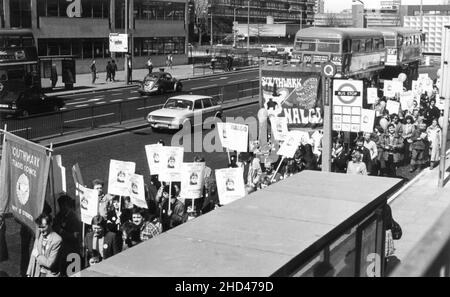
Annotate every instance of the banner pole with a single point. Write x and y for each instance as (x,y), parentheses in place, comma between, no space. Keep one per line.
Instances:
(52,179)
(229,158)
(170,196)
(278,168)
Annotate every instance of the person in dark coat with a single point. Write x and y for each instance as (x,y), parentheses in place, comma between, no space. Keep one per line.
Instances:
(109,71)
(365,152)
(339,157)
(113,70)
(54,75)
(3,247)
(93,71)
(107,244)
(117,216)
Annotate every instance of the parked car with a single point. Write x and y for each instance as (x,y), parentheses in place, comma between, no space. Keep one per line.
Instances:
(159,83)
(269,48)
(28,102)
(178,111)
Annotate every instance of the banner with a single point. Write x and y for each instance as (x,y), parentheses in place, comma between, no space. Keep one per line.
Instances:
(137,191)
(78,180)
(388,89)
(192,181)
(25,172)
(292,142)
(119,177)
(171,163)
(88,203)
(230,184)
(393,106)
(372,95)
(288,92)
(279,128)
(367,120)
(153,157)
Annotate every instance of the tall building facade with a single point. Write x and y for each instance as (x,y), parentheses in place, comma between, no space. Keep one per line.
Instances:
(319,6)
(224,12)
(82,27)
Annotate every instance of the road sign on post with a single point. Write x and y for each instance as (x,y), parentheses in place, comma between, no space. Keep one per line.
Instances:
(445,95)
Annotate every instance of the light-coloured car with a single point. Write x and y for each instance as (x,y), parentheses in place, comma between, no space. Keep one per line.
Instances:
(269,48)
(179,111)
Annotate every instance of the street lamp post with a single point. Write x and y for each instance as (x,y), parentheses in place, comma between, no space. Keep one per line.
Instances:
(212,40)
(234,29)
(127,78)
(364,13)
(248,27)
(421,15)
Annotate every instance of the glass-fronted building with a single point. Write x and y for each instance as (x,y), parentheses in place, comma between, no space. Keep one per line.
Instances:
(158,28)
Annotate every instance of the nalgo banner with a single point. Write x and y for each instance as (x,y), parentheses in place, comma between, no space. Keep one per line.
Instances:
(294,95)
(25,173)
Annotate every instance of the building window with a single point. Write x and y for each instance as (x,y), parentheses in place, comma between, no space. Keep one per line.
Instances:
(87,49)
(20,13)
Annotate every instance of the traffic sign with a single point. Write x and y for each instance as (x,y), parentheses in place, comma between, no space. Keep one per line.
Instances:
(347,92)
(328,69)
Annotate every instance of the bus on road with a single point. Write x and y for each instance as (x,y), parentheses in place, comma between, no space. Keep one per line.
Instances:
(357,53)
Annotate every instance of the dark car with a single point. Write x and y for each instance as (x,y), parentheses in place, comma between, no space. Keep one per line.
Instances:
(28,102)
(159,83)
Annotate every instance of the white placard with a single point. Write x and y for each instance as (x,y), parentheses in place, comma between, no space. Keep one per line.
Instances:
(279,128)
(59,176)
(88,203)
(393,106)
(223,134)
(137,191)
(407,100)
(239,135)
(171,163)
(118,43)
(293,140)
(230,184)
(372,95)
(153,152)
(367,120)
(347,92)
(119,177)
(397,86)
(388,89)
(192,180)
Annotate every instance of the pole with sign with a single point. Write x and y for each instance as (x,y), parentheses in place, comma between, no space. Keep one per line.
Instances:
(445,95)
(328,71)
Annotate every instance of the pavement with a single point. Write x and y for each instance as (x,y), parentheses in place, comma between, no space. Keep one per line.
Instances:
(417,206)
(84,81)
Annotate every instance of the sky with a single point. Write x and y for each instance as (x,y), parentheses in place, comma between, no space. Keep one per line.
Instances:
(339,5)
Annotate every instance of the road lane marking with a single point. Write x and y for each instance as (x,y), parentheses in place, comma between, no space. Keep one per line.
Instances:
(94,99)
(82,105)
(147,107)
(236,81)
(116,94)
(88,118)
(134,92)
(203,87)
(116,100)
(103,102)
(74,103)
(133,98)
(221,78)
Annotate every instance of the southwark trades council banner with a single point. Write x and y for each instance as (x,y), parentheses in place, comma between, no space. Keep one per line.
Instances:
(171,162)
(192,180)
(23,183)
(153,153)
(119,177)
(230,184)
(293,94)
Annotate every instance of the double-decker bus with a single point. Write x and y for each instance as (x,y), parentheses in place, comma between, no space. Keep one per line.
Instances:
(20,79)
(357,53)
(403,52)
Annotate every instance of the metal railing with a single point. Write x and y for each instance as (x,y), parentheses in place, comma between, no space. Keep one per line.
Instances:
(85,118)
(431,256)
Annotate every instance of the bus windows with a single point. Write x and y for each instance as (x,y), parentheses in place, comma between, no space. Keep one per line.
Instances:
(378,44)
(368,45)
(362,47)
(356,46)
(305,45)
(331,46)
(390,42)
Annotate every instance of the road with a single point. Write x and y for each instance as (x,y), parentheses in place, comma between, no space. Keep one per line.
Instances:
(194,85)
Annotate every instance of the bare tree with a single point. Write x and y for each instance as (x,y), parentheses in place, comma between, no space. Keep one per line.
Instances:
(332,20)
(201,18)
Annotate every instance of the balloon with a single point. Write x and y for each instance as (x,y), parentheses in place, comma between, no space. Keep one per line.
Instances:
(384,123)
(402,77)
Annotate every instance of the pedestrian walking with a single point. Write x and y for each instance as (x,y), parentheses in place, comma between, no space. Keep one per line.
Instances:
(150,65)
(392,144)
(434,137)
(54,75)
(93,71)
(109,71)
(113,70)
(419,144)
(130,70)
